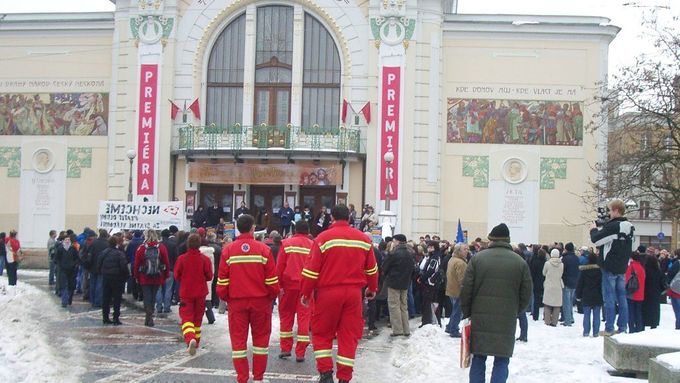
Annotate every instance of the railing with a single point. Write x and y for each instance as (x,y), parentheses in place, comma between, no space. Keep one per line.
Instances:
(266,137)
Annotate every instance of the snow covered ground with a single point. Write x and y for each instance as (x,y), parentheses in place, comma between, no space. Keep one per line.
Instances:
(27,354)
(552,354)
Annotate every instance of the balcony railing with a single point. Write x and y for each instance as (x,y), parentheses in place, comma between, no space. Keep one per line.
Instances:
(266,137)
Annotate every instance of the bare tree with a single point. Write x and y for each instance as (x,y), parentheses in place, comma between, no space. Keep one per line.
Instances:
(642,106)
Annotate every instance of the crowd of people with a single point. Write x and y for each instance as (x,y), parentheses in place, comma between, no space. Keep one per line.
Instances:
(335,281)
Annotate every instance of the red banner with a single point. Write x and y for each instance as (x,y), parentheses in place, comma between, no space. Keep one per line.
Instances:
(389,128)
(146,138)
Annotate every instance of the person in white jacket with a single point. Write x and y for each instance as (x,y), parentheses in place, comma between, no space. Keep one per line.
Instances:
(209,252)
(552,288)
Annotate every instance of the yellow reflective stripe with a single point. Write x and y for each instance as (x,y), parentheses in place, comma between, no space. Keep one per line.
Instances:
(323,354)
(305,273)
(296,249)
(260,350)
(303,338)
(285,334)
(310,272)
(187,324)
(344,361)
(234,259)
(271,281)
(236,354)
(345,243)
(372,271)
(188,330)
(224,281)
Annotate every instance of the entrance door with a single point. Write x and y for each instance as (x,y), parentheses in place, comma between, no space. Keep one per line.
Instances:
(222,194)
(265,203)
(317,198)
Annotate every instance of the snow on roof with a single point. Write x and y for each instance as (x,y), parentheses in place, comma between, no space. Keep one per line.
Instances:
(672,359)
(656,338)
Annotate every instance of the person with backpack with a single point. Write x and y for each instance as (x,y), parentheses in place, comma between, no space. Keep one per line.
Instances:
(151,269)
(430,280)
(112,266)
(193,269)
(635,292)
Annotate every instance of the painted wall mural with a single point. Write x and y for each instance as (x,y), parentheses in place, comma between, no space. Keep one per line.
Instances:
(477,167)
(77,159)
(552,169)
(10,157)
(54,114)
(494,121)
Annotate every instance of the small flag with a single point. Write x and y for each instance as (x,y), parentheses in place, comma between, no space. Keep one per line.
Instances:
(195,108)
(460,238)
(344,111)
(366,111)
(174,109)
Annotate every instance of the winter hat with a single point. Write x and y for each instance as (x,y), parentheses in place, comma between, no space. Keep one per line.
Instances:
(400,238)
(201,231)
(554,253)
(173,229)
(500,233)
(569,247)
(642,249)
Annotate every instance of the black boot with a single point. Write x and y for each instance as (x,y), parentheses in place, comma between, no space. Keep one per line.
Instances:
(148,320)
(326,377)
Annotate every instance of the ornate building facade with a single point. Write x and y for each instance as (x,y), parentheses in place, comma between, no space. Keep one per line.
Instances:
(485,117)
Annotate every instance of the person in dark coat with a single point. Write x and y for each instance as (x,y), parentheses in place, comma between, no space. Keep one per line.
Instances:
(589,292)
(536,268)
(112,265)
(398,269)
(200,217)
(654,286)
(130,251)
(496,287)
(67,259)
(213,215)
(429,266)
(570,278)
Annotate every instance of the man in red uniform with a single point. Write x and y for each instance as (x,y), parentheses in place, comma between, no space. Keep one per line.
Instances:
(293,256)
(192,271)
(247,281)
(341,264)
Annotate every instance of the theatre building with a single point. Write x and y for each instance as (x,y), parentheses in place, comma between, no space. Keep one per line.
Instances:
(482,118)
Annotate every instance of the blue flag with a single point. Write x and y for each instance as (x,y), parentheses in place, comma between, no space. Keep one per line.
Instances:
(459,235)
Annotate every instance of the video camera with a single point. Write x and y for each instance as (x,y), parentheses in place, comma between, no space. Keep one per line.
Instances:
(602,216)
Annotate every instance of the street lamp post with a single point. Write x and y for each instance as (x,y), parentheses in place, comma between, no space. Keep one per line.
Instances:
(131,154)
(388,157)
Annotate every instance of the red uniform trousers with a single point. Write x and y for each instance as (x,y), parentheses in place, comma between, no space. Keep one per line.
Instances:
(289,307)
(191,314)
(337,310)
(255,313)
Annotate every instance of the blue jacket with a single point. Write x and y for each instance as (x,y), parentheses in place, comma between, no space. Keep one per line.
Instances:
(286,215)
(132,248)
(570,274)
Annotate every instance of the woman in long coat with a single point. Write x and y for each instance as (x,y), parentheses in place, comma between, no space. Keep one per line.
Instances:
(536,264)
(654,286)
(552,288)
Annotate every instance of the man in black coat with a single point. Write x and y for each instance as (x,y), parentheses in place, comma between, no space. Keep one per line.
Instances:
(113,267)
(95,250)
(164,295)
(569,278)
(398,269)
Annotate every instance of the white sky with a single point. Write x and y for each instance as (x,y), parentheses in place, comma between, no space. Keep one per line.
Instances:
(626,14)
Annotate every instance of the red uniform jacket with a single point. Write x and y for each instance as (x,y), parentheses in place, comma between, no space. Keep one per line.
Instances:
(294,254)
(639,295)
(193,270)
(247,270)
(341,256)
(139,259)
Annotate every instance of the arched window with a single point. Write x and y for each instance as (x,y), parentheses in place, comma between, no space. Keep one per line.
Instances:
(273,65)
(225,75)
(321,77)
(273,71)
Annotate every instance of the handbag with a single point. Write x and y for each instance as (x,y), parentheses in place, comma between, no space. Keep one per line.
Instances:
(466,330)
(675,283)
(633,284)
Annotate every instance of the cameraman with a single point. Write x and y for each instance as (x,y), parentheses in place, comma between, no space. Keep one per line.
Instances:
(615,243)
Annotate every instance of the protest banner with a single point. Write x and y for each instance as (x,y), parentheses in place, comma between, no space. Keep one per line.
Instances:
(140,215)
